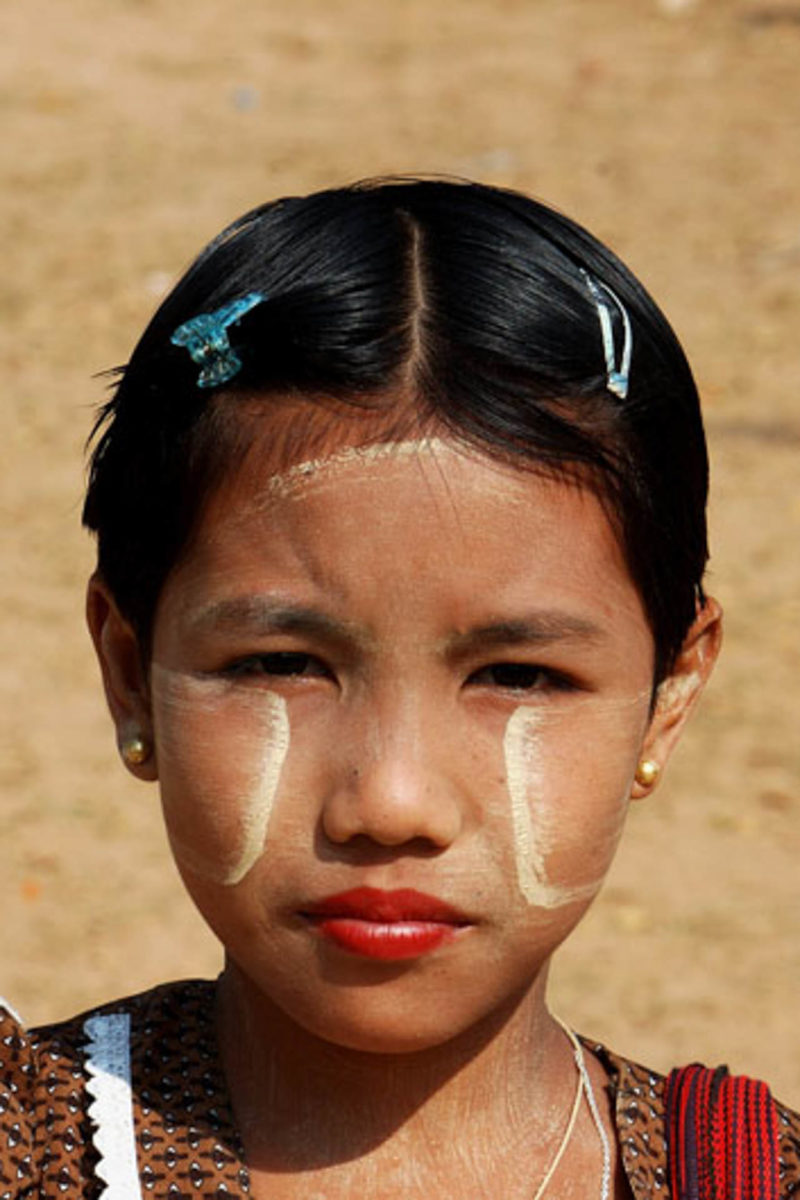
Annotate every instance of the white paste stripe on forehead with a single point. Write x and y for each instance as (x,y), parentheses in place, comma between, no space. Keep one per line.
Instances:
(355,455)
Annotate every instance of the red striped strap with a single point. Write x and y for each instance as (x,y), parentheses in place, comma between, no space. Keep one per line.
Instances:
(722,1136)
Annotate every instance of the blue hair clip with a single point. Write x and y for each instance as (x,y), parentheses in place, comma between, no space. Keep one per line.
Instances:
(617,377)
(206,338)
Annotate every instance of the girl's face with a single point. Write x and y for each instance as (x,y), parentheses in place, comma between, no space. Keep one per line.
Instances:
(397,698)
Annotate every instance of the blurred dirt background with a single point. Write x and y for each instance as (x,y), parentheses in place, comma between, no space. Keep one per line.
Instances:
(131,131)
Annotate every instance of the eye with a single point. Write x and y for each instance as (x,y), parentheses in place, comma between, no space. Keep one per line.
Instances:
(520,677)
(284,664)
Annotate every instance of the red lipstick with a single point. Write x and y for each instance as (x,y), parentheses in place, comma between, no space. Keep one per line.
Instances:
(386,925)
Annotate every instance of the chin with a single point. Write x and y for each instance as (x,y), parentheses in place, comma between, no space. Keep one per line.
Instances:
(382,1037)
(372,1020)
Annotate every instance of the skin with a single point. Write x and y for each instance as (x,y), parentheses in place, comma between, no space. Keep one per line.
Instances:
(462,671)
(537,823)
(183,709)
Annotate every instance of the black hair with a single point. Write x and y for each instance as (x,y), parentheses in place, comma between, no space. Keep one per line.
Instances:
(474,305)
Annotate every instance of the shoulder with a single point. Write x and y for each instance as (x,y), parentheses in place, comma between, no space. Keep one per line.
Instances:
(46,1088)
(640,1098)
(63,1052)
(147,1008)
(637,1097)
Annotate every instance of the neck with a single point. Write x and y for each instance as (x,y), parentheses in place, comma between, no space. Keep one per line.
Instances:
(304,1104)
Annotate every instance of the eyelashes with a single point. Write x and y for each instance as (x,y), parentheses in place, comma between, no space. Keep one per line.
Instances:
(521,677)
(280,664)
(516,677)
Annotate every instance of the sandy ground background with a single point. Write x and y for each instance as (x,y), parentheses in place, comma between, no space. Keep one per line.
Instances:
(131,131)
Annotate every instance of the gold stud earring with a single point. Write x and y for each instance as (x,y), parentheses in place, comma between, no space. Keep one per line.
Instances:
(647,772)
(135,750)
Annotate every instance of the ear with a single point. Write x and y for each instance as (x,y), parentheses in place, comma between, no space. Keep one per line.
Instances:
(679,692)
(124,676)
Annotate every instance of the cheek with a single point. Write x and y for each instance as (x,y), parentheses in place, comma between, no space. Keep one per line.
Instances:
(568,784)
(219,767)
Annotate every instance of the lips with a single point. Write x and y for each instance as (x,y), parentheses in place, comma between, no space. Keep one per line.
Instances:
(390,926)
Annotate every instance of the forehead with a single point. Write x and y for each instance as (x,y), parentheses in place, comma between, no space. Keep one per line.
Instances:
(287,447)
(412,540)
(348,482)
(278,443)
(411,543)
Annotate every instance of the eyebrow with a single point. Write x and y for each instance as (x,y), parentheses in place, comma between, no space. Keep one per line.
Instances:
(542,628)
(259,614)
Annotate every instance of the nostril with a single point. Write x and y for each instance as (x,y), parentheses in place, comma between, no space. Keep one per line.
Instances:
(414,818)
(363,850)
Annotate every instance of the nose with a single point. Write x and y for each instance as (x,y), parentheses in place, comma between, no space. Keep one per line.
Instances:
(393,786)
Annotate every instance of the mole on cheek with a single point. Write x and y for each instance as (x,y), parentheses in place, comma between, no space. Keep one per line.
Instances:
(535,825)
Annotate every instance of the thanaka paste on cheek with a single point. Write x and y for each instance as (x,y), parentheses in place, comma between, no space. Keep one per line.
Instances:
(257,807)
(217,795)
(535,824)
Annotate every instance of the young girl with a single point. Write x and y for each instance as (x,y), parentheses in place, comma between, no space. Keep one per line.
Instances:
(400,519)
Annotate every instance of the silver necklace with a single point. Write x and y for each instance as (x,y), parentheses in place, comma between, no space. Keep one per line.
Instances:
(584,1088)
